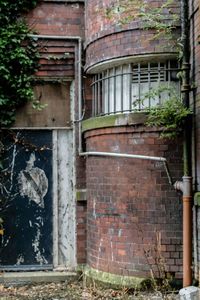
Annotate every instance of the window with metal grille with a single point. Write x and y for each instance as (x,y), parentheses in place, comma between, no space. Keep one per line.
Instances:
(153,83)
(134,87)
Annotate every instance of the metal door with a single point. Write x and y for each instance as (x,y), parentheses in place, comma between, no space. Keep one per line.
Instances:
(26,196)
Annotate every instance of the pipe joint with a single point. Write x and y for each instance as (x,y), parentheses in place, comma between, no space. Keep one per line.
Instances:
(185,88)
(185,66)
(185,186)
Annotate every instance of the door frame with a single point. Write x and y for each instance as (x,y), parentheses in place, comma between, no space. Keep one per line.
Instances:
(64,205)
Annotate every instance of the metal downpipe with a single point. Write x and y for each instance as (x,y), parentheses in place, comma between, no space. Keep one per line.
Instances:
(185,186)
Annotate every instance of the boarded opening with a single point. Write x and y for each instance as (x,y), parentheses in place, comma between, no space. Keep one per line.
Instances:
(56,97)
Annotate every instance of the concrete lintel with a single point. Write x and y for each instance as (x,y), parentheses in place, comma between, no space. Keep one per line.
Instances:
(114,62)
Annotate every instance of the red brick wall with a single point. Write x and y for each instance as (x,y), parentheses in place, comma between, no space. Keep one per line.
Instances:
(99,25)
(106,39)
(58,18)
(81,231)
(131,206)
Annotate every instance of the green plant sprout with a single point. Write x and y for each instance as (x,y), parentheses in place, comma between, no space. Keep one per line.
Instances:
(170,115)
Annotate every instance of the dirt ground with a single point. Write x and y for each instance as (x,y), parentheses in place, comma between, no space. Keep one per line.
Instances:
(77,290)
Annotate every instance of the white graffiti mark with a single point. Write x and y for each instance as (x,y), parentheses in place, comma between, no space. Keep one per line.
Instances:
(36,246)
(99,253)
(13,163)
(33,182)
(20,259)
(111,248)
(94,208)
(40,221)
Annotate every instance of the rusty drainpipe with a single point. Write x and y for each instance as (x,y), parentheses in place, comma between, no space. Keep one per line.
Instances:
(185,186)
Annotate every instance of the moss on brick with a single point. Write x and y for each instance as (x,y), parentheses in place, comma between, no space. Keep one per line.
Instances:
(123,119)
(99,122)
(113,280)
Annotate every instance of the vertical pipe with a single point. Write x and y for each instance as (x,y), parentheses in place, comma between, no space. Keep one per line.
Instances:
(186,187)
(186,84)
(194,211)
(187,241)
(187,194)
(194,148)
(79,67)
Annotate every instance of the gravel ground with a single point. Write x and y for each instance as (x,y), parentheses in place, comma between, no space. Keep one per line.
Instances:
(76,290)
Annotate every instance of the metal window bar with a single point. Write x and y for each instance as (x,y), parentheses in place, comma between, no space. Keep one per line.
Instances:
(122,90)
(94,100)
(149,83)
(130,88)
(149,73)
(95,96)
(103,93)
(111,92)
(114,87)
(101,88)
(169,75)
(165,73)
(108,93)
(98,95)
(139,93)
(105,86)
(109,76)
(159,76)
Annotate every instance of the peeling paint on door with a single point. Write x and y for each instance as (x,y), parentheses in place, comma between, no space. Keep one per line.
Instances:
(39,222)
(28,219)
(33,182)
